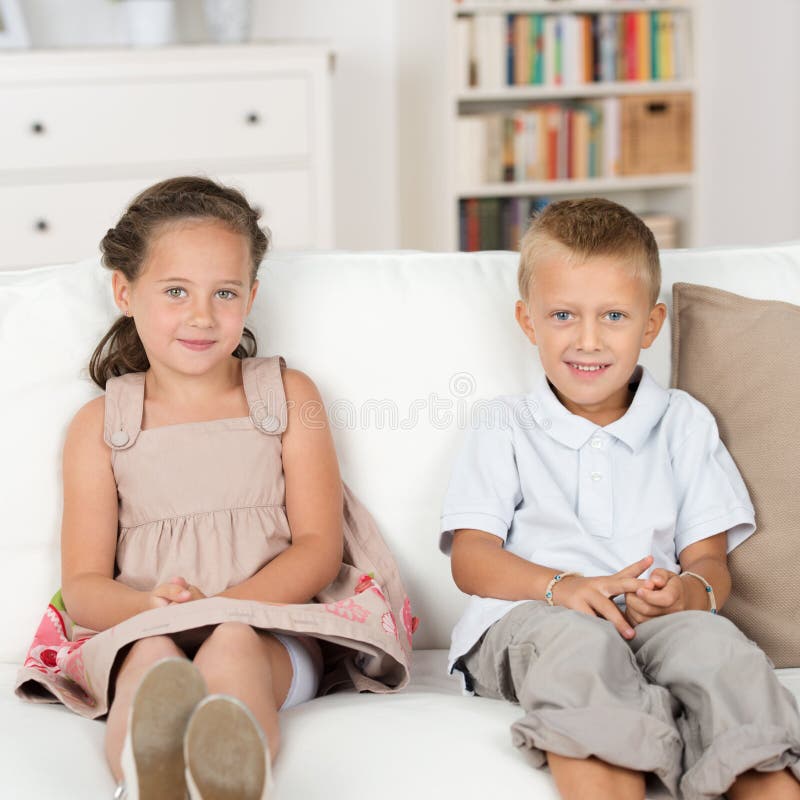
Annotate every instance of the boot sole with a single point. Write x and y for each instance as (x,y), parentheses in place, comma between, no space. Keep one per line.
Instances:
(164,702)
(226,753)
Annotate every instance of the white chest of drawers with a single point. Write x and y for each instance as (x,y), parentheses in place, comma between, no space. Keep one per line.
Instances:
(81,132)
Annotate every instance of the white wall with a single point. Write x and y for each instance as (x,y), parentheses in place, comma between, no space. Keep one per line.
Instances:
(749,121)
(361,33)
(387,93)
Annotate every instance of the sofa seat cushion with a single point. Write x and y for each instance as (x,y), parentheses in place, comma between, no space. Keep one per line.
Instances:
(456,746)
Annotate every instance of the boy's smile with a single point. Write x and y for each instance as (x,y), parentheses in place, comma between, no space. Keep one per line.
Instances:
(590,320)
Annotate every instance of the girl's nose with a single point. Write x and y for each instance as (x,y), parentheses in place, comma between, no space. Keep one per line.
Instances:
(200,313)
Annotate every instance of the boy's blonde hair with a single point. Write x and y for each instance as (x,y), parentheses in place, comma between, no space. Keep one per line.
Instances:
(587,228)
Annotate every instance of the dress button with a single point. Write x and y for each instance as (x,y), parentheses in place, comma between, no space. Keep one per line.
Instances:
(269,424)
(119,438)
(596,443)
(595,476)
(546,424)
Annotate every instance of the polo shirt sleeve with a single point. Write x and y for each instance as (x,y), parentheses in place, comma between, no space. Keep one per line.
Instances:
(484,488)
(710,492)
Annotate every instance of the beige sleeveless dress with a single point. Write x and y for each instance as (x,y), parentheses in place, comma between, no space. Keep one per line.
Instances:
(205,500)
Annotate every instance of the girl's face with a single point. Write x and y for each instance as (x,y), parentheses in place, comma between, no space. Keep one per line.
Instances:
(191,299)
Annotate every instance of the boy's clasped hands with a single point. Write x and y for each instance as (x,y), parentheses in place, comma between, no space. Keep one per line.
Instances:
(662,593)
(176,590)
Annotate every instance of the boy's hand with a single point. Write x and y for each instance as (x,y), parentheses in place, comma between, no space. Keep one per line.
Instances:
(664,593)
(591,595)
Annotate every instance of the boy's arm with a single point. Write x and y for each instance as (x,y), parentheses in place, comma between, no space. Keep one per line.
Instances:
(481,566)
(672,592)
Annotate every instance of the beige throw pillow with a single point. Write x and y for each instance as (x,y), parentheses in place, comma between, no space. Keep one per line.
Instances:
(741,358)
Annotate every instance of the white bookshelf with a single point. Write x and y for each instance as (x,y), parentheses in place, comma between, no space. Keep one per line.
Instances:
(674,194)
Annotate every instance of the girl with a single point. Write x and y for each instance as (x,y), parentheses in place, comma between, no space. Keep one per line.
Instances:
(209,546)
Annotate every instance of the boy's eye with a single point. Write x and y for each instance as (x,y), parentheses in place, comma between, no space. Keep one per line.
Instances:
(561,316)
(615,316)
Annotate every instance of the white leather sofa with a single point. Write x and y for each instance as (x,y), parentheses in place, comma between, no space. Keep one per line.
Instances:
(400,345)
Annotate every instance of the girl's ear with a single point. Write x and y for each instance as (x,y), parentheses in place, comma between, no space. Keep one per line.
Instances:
(524,320)
(654,322)
(119,284)
(253,293)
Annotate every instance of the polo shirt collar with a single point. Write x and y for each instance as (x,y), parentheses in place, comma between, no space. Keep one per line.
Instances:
(648,406)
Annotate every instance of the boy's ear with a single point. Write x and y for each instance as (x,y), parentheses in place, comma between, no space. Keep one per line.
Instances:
(524,320)
(654,322)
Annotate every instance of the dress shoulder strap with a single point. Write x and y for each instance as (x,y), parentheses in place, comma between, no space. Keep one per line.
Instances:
(124,408)
(263,386)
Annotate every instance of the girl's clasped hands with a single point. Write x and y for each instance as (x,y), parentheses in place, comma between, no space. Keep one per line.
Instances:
(176,590)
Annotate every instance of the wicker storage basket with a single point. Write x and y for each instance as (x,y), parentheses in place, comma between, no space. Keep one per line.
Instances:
(656,134)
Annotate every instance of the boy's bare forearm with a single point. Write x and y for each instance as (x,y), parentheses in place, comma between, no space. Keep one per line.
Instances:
(98,602)
(488,571)
(716,572)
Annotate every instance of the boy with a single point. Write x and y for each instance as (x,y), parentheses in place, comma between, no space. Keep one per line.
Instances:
(592,530)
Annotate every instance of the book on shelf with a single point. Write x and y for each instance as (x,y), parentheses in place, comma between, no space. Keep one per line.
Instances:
(496,50)
(551,141)
(493,223)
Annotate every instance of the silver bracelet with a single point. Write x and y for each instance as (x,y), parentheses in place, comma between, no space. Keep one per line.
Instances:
(709,590)
(548,592)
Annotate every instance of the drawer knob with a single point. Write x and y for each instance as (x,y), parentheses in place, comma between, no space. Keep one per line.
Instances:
(253,118)
(42,225)
(38,128)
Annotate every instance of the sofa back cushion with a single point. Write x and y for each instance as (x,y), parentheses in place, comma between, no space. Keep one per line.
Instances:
(400,345)
(740,357)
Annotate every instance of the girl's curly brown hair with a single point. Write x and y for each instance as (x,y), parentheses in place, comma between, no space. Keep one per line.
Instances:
(124,248)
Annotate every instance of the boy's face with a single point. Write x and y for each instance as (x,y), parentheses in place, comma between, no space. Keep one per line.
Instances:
(589,320)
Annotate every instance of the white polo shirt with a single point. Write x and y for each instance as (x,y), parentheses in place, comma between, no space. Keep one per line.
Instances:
(565,493)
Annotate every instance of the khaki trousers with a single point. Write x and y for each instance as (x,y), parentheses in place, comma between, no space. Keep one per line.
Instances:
(690,698)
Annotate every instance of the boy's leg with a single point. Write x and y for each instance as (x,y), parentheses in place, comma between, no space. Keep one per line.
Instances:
(736,714)
(754,785)
(253,667)
(583,692)
(579,778)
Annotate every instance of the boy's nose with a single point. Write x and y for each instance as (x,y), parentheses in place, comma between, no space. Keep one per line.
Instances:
(588,337)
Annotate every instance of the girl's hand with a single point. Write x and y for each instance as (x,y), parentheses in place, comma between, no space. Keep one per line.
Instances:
(664,593)
(196,594)
(176,590)
(591,595)
(168,593)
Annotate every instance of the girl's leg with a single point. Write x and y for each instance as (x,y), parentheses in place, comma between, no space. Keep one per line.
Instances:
(754,785)
(579,778)
(142,655)
(251,666)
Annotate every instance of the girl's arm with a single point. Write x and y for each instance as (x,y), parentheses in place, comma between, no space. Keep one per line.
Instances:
(313,504)
(89,530)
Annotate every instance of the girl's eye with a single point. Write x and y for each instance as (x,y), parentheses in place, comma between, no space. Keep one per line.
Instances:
(615,316)
(175,289)
(561,316)
(229,292)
